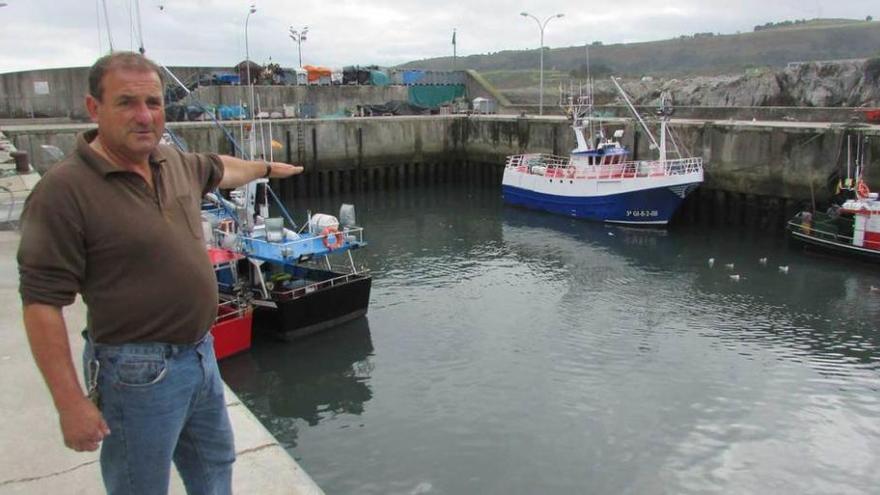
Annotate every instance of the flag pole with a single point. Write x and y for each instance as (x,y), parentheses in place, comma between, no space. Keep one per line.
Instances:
(453,48)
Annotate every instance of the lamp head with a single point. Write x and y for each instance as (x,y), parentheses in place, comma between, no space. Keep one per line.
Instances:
(253,9)
(524,14)
(560,15)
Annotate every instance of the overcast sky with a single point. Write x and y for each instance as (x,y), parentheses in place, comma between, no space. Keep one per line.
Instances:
(63,33)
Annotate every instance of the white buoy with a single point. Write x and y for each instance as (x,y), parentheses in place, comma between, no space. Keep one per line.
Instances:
(729,266)
(762,261)
(783,269)
(711,262)
(735,278)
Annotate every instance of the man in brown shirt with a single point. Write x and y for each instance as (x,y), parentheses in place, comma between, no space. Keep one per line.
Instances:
(118,222)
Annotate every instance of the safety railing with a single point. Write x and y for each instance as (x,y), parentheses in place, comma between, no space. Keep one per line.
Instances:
(824,229)
(230,310)
(553,166)
(304,290)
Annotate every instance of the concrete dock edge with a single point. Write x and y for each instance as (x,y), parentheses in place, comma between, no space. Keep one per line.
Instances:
(34,459)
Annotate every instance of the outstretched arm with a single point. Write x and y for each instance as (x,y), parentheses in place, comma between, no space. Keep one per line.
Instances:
(238,172)
(82,425)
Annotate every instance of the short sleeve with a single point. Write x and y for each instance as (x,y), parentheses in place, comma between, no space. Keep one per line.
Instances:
(211,171)
(52,252)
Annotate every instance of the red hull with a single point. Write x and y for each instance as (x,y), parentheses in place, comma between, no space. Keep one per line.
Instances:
(232,331)
(872,115)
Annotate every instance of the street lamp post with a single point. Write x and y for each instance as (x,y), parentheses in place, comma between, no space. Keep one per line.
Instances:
(247,52)
(298,37)
(247,61)
(541,26)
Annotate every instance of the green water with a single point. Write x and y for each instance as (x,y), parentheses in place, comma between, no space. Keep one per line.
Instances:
(515,352)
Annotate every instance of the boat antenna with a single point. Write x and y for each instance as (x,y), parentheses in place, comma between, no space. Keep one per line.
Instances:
(98,22)
(587,50)
(107,21)
(262,129)
(140,29)
(636,113)
(665,111)
(589,90)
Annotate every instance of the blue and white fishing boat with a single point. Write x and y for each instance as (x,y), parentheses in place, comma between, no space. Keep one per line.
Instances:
(285,271)
(597,181)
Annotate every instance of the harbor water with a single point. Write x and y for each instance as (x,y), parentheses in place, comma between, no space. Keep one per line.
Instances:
(514,352)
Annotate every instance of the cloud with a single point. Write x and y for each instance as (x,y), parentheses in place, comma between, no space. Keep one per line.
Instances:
(55,33)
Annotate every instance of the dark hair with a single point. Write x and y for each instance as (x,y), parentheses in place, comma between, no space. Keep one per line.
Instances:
(119,60)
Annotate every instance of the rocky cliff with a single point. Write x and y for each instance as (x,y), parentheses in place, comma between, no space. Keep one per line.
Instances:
(809,84)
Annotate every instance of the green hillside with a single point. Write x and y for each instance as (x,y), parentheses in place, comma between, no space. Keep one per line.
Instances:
(704,53)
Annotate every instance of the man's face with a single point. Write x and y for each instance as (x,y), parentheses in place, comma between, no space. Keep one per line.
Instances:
(130,113)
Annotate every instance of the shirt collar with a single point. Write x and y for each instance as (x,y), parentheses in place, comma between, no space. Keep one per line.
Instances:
(100,164)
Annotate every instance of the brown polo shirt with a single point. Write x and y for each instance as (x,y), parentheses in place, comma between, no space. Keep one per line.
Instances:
(135,253)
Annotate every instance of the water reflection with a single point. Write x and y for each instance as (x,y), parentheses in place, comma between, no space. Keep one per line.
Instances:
(820,305)
(310,379)
(519,352)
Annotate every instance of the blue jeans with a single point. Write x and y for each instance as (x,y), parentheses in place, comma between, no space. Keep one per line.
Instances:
(162,402)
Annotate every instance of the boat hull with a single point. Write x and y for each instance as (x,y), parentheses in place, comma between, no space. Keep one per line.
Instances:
(318,310)
(654,206)
(802,240)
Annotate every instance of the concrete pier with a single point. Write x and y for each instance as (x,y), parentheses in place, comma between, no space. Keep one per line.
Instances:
(34,459)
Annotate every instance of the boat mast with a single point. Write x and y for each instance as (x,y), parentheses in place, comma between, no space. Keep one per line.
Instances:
(107,21)
(140,29)
(635,112)
(589,90)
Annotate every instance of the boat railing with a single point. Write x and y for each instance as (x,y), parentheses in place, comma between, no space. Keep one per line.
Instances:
(351,235)
(537,160)
(683,166)
(823,228)
(230,309)
(553,166)
(297,292)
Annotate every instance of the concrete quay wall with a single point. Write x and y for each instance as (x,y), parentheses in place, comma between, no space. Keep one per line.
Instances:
(58,93)
(785,160)
(777,159)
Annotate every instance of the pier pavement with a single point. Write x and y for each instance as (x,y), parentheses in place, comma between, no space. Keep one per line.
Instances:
(33,458)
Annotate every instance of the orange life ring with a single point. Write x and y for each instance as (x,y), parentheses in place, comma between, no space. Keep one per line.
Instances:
(863,190)
(339,238)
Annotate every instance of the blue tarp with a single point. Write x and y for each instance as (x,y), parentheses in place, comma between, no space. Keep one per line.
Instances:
(434,96)
(228,78)
(228,112)
(379,78)
(411,77)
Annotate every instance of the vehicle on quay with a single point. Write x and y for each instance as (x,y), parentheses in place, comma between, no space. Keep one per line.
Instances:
(597,181)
